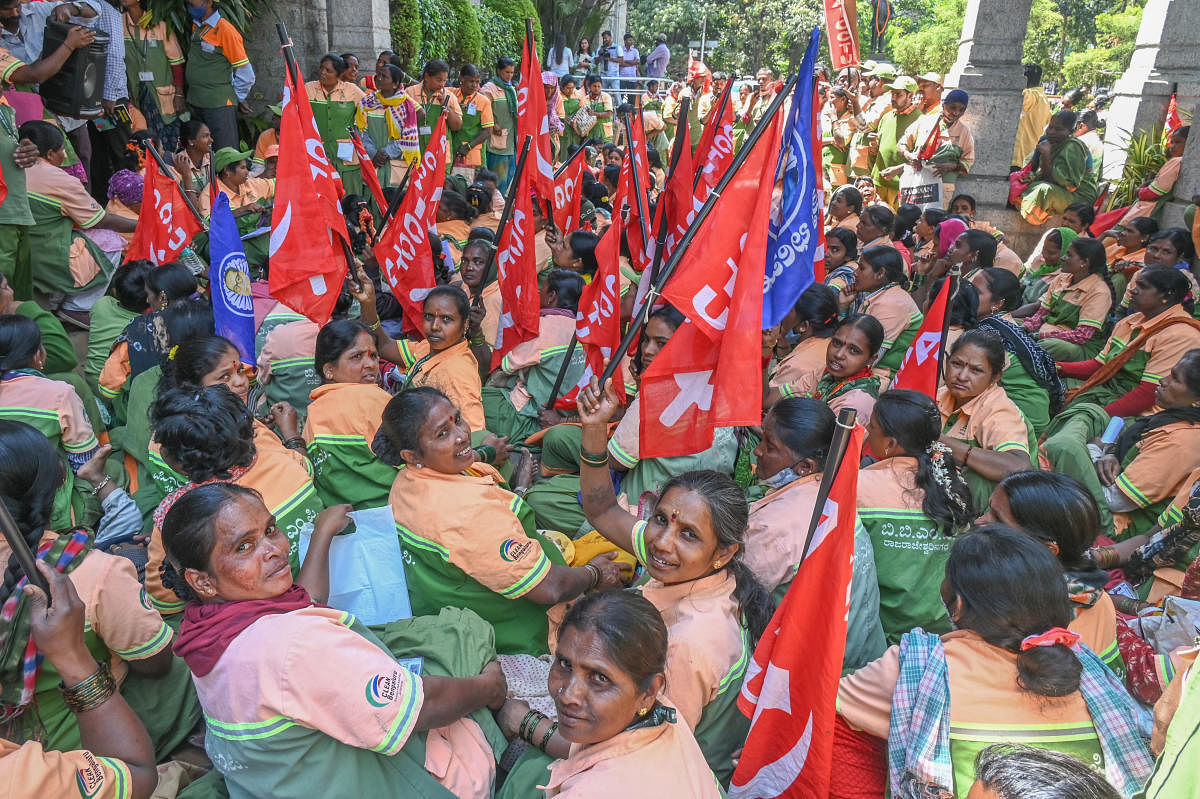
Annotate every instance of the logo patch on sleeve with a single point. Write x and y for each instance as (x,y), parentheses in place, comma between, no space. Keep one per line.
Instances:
(513,550)
(382,690)
(89,779)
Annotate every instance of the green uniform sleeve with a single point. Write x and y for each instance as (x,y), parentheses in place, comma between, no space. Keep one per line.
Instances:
(60,355)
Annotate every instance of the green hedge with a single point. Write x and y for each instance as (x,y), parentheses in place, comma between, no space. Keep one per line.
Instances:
(499,37)
(467,46)
(406,31)
(517,11)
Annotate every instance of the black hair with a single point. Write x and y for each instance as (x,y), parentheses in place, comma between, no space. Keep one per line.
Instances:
(1012,587)
(1015,771)
(333,341)
(30,475)
(435,66)
(487,175)
(188,318)
(987,341)
(128,285)
(482,235)
(1145,225)
(1182,132)
(869,326)
(906,219)
(468,70)
(848,239)
(1090,118)
(206,431)
(189,535)
(887,260)
(1170,282)
(804,425)
(727,508)
(851,195)
(818,306)
(631,629)
(503,62)
(1033,75)
(967,198)
(479,197)
(20,340)
(583,246)
(669,316)
(401,423)
(1004,286)
(963,310)
(568,78)
(567,286)
(915,422)
(336,61)
(189,131)
(983,245)
(1055,507)
(1180,239)
(1094,253)
(347,56)
(589,79)
(44,135)
(194,358)
(456,206)
(1085,212)
(461,303)
(934,216)
(612,174)
(880,216)
(1065,118)
(173,279)
(396,74)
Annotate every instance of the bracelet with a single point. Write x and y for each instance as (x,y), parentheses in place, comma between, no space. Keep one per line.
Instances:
(477,341)
(486,452)
(374,326)
(297,443)
(107,479)
(595,576)
(549,734)
(967,456)
(597,459)
(526,730)
(90,692)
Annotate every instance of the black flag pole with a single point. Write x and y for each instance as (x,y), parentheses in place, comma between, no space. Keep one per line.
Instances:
(639,315)
(166,169)
(837,452)
(640,197)
(506,214)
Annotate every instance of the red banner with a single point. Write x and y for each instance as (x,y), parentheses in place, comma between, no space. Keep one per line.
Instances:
(532,120)
(516,271)
(370,176)
(841,26)
(919,370)
(308,262)
(166,224)
(403,252)
(714,152)
(790,690)
(568,192)
(709,373)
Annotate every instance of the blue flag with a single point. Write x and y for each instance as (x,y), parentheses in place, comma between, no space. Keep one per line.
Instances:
(229,280)
(792,240)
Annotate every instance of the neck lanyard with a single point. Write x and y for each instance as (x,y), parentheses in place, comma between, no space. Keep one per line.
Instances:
(139,42)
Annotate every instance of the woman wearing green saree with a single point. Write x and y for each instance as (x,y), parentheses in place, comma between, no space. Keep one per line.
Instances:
(1054,247)
(387,118)
(335,107)
(569,86)
(1068,320)
(1061,173)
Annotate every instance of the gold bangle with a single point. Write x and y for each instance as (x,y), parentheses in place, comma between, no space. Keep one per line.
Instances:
(90,692)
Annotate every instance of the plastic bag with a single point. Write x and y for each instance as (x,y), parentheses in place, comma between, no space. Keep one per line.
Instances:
(920,187)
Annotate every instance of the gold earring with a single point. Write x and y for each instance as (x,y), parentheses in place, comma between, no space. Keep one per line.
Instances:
(643,711)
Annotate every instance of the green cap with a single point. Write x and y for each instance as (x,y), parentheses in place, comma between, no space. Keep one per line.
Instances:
(903,83)
(228,156)
(882,71)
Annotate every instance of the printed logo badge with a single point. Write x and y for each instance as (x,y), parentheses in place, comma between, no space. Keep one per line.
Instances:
(382,690)
(89,779)
(513,550)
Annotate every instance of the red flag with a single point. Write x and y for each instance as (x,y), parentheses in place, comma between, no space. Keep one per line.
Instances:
(598,321)
(709,373)
(532,120)
(639,164)
(677,205)
(841,25)
(790,691)
(516,271)
(714,152)
(919,369)
(370,177)
(163,232)
(403,251)
(568,192)
(308,262)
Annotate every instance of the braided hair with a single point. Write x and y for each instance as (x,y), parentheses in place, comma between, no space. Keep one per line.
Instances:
(30,475)
(205,431)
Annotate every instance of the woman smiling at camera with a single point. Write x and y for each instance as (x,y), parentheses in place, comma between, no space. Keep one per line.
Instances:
(608,673)
(691,547)
(848,381)
(296,694)
(468,540)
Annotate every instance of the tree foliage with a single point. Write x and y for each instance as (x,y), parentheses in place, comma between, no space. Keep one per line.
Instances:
(466,46)
(406,31)
(573,19)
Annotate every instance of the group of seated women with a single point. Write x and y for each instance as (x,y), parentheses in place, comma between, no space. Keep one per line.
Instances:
(582,617)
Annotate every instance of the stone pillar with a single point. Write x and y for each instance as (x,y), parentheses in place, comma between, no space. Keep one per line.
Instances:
(988,68)
(306,24)
(360,27)
(1166,53)
(1189,175)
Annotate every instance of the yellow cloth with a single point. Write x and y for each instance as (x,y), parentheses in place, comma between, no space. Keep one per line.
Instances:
(593,544)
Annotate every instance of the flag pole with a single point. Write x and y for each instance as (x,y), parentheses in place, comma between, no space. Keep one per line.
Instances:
(677,256)
(837,452)
(506,214)
(165,169)
(627,123)
(562,373)
(582,151)
(660,241)
(394,205)
(20,548)
(293,68)
(721,104)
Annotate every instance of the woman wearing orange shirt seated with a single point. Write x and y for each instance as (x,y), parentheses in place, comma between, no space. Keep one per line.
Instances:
(844,208)
(811,322)
(880,288)
(1076,304)
(1128,253)
(1010,668)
